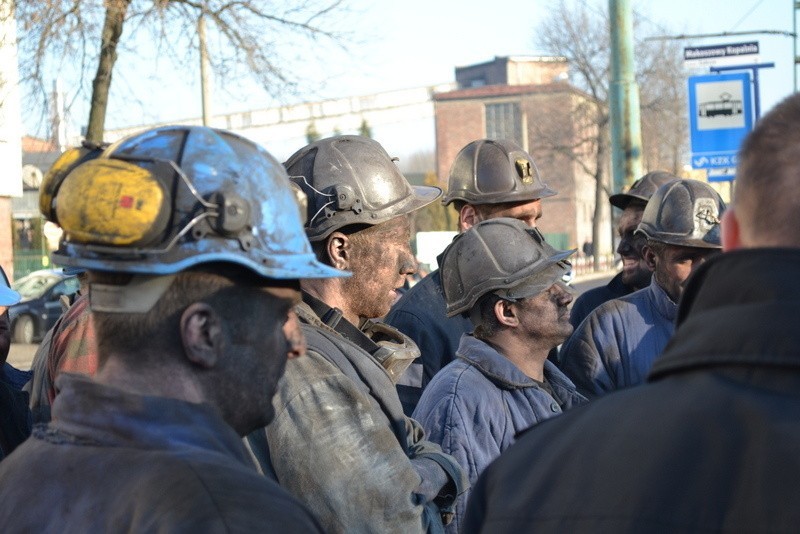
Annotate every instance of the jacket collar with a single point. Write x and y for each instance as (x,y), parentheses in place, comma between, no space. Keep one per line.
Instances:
(740,307)
(317,313)
(618,287)
(663,304)
(499,369)
(88,412)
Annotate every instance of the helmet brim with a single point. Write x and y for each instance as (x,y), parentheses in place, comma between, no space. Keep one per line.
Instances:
(498,198)
(622,200)
(423,195)
(8,297)
(278,267)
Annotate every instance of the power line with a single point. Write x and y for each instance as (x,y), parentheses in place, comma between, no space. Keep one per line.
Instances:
(746,14)
(720,34)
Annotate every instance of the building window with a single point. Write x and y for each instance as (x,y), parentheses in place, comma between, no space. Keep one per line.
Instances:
(504,121)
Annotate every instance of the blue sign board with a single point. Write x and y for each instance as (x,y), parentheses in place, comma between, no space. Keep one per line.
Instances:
(720,117)
(721,175)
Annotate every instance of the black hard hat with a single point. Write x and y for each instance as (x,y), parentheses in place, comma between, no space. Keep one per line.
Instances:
(350,179)
(684,213)
(642,189)
(502,256)
(493,172)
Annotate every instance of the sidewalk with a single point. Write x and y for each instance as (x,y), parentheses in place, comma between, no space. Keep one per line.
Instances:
(583,267)
(593,275)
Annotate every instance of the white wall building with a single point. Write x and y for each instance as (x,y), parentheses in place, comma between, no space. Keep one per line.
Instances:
(402,121)
(10,115)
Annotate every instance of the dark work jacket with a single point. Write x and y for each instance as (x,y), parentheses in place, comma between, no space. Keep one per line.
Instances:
(709,444)
(615,346)
(15,416)
(113,461)
(420,314)
(478,403)
(593,298)
(341,444)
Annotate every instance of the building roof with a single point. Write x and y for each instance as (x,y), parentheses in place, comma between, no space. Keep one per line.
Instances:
(517,59)
(489,91)
(34,144)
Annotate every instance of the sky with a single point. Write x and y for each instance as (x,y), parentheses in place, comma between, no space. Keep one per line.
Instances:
(415,43)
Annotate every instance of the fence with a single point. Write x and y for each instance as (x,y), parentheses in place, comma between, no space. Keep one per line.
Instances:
(585,264)
(25,262)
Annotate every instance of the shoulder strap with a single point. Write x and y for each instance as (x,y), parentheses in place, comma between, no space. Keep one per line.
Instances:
(256,443)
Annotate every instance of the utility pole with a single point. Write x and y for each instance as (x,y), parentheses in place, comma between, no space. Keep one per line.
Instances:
(794,41)
(626,136)
(205,86)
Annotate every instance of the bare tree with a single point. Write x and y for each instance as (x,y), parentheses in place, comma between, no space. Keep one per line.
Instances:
(250,37)
(581,33)
(662,89)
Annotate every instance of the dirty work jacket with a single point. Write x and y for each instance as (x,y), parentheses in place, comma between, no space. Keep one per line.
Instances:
(15,417)
(420,314)
(341,444)
(709,444)
(593,298)
(69,347)
(614,347)
(477,404)
(112,461)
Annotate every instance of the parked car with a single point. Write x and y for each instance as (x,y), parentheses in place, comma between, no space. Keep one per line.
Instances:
(40,306)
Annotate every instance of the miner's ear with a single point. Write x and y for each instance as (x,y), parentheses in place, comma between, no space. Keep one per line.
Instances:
(201,335)
(731,232)
(339,250)
(506,313)
(649,256)
(467,217)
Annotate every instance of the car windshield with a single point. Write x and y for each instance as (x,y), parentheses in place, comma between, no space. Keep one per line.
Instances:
(34,285)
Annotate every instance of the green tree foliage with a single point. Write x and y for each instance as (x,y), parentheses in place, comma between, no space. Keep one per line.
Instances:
(434,217)
(311,133)
(365,130)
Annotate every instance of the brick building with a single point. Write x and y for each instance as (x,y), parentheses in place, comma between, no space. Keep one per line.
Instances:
(528,100)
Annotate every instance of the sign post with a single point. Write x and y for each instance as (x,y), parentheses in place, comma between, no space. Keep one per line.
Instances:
(722,54)
(719,118)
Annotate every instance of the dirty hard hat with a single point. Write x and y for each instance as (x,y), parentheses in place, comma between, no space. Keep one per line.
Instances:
(684,213)
(351,180)
(502,256)
(171,198)
(493,172)
(642,189)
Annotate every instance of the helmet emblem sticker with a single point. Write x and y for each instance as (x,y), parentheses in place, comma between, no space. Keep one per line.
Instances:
(523,167)
(705,210)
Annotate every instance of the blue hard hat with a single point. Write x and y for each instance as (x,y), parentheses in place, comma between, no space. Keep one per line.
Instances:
(170,198)
(8,297)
